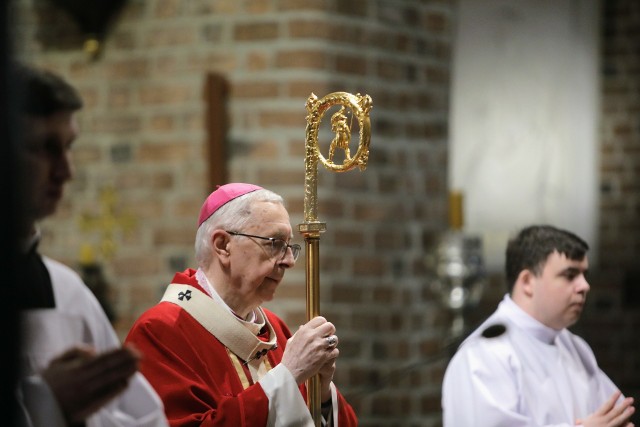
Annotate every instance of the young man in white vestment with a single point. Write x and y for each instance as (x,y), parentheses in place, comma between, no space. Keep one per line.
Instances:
(74,370)
(522,366)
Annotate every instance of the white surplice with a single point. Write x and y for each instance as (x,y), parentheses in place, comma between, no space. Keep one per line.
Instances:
(77,318)
(530,375)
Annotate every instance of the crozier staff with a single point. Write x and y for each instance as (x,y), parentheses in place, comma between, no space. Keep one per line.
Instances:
(215,356)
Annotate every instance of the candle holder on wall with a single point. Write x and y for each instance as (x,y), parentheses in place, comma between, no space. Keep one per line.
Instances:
(456,269)
(457,275)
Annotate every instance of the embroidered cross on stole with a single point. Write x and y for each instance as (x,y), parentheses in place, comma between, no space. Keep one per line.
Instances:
(243,347)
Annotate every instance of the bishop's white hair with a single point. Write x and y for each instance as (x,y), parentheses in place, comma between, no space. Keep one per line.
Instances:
(234,215)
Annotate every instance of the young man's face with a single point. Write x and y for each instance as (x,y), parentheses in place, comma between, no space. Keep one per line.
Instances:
(560,291)
(46,160)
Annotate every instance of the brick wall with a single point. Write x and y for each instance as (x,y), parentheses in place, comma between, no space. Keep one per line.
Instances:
(144,134)
(612,320)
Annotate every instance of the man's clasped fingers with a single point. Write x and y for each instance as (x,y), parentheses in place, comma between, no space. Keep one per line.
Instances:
(611,414)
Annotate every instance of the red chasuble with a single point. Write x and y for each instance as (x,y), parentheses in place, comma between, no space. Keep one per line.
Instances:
(199,381)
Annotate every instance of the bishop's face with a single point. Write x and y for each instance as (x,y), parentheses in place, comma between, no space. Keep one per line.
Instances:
(560,291)
(255,272)
(46,160)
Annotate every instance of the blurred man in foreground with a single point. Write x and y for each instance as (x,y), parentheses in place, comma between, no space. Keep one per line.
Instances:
(75,371)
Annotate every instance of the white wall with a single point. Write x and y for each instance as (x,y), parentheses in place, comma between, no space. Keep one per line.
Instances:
(524,118)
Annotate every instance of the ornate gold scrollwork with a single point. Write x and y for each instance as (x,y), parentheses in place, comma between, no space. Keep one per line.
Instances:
(360,106)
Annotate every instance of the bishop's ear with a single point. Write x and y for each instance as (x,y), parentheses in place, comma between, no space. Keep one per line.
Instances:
(220,242)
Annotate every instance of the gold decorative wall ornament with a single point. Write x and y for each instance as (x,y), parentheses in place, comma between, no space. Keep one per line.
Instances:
(360,106)
(94,19)
(106,223)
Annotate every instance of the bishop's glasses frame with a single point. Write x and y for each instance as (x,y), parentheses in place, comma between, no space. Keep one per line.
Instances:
(278,246)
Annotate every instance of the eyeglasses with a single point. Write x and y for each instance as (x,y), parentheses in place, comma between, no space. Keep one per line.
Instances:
(278,246)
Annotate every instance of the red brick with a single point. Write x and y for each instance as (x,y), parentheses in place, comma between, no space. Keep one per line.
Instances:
(174,235)
(302,59)
(258,60)
(135,265)
(254,89)
(164,36)
(128,69)
(115,124)
(370,266)
(161,123)
(164,94)
(168,8)
(119,97)
(253,31)
(175,152)
(280,118)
